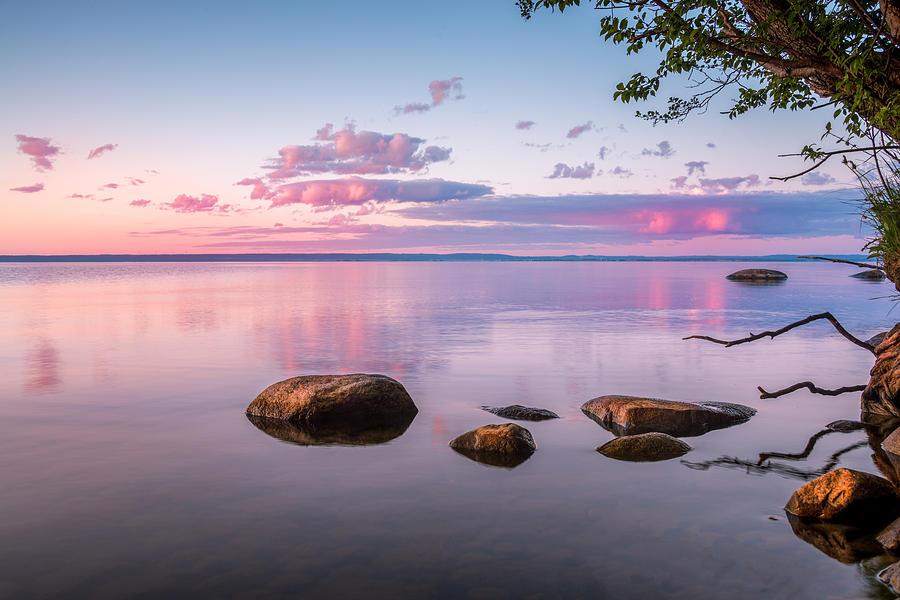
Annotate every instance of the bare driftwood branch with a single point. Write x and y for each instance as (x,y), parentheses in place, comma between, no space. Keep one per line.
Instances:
(812,388)
(848,262)
(771,334)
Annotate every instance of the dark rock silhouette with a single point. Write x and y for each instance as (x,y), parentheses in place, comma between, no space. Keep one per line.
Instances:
(870,275)
(761,275)
(522,413)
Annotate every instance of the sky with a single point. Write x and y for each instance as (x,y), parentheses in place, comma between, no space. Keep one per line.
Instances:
(379,127)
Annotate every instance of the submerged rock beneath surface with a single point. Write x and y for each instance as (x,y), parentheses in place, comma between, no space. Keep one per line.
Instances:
(876,339)
(353,434)
(632,415)
(644,447)
(504,445)
(844,543)
(882,394)
(846,496)
(757,275)
(870,275)
(336,402)
(523,413)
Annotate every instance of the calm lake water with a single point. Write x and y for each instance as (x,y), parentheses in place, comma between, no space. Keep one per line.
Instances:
(128,468)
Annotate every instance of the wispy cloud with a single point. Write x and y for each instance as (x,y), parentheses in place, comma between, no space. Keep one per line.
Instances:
(100,150)
(356,191)
(603,152)
(440,90)
(620,171)
(184,203)
(696,165)
(728,184)
(41,151)
(28,189)
(817,178)
(562,170)
(663,149)
(142,202)
(579,129)
(524,124)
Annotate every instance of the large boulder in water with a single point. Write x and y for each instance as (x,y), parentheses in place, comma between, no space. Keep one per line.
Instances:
(336,402)
(522,413)
(882,394)
(504,445)
(870,275)
(644,447)
(846,496)
(757,275)
(631,415)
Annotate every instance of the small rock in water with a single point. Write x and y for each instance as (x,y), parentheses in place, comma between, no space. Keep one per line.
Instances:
(644,447)
(845,426)
(846,496)
(631,415)
(757,275)
(773,517)
(870,274)
(504,445)
(523,413)
(891,577)
(335,400)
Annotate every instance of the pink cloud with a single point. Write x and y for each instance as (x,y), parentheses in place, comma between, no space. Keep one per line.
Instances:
(325,132)
(524,124)
(191,204)
(39,149)
(357,191)
(80,196)
(99,150)
(110,186)
(140,202)
(348,152)
(135,180)
(579,129)
(440,90)
(260,190)
(28,189)
(105,199)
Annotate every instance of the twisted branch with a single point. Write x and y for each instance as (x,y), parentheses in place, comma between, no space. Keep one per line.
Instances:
(848,262)
(771,334)
(812,388)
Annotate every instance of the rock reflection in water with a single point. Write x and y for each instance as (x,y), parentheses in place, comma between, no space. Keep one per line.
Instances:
(350,434)
(494,459)
(844,543)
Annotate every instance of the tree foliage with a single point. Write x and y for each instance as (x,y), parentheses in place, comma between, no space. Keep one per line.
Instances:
(841,55)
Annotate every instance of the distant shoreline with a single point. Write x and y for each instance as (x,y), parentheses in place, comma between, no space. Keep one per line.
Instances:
(391,257)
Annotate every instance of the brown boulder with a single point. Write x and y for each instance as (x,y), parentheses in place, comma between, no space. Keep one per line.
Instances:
(505,445)
(889,537)
(891,577)
(847,496)
(882,394)
(644,447)
(324,401)
(631,415)
(757,275)
(522,413)
(844,543)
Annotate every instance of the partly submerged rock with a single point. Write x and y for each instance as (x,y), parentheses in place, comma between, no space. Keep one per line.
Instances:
(891,577)
(889,538)
(757,275)
(846,496)
(504,445)
(644,447)
(522,413)
(882,394)
(891,443)
(336,402)
(348,434)
(631,415)
(845,543)
(870,275)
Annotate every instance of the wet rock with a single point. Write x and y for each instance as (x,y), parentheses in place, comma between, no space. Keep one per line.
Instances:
(876,339)
(878,427)
(845,543)
(504,445)
(351,434)
(522,413)
(891,443)
(336,402)
(846,496)
(631,415)
(882,394)
(891,577)
(889,538)
(757,275)
(845,426)
(870,275)
(644,447)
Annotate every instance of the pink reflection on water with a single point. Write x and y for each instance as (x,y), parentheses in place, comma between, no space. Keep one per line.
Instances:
(42,367)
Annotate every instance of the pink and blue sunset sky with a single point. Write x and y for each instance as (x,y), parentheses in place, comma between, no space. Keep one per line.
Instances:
(354,127)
